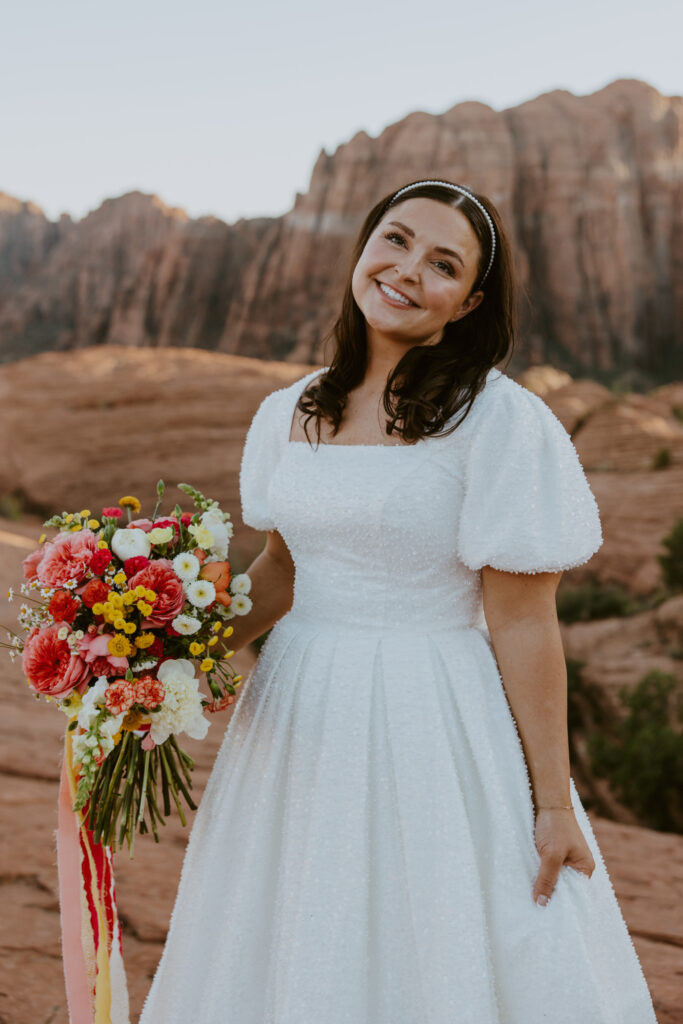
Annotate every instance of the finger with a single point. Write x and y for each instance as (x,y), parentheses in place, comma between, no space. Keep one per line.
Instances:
(584,864)
(546,878)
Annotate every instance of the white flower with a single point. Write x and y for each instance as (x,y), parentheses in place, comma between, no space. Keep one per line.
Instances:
(92,697)
(141,665)
(202,535)
(240,584)
(241,604)
(107,731)
(213,521)
(10,594)
(186,624)
(62,632)
(201,593)
(181,710)
(161,534)
(186,567)
(130,543)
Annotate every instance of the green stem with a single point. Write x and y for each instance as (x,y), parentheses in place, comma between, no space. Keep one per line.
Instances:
(143,794)
(171,783)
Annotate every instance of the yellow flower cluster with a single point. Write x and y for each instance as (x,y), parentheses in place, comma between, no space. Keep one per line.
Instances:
(128,501)
(119,605)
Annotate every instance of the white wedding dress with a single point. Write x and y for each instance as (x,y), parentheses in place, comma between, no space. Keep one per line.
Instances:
(364,849)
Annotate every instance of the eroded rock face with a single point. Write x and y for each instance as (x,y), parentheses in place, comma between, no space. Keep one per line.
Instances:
(590,188)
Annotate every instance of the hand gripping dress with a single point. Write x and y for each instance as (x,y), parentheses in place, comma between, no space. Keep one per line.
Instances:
(364,850)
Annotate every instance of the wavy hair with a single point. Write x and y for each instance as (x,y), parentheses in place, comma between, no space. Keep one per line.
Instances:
(430,384)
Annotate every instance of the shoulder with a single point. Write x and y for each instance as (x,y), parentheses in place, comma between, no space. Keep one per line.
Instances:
(504,404)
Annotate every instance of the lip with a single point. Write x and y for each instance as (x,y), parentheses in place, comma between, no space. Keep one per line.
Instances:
(392,302)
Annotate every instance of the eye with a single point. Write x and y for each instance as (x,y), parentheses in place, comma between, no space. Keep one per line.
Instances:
(394,234)
(448,266)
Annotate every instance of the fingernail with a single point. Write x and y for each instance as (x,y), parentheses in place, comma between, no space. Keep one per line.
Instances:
(542,899)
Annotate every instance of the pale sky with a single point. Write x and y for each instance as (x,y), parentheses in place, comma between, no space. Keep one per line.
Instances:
(222,108)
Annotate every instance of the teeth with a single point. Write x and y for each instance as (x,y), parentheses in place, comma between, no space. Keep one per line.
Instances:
(394,295)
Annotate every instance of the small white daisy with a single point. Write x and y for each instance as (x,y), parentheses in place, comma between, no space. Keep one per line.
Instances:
(241,604)
(186,566)
(201,593)
(10,594)
(186,624)
(240,583)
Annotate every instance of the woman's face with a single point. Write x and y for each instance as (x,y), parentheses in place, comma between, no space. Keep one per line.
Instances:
(428,253)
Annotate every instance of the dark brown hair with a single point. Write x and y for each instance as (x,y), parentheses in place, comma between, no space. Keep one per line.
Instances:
(430,383)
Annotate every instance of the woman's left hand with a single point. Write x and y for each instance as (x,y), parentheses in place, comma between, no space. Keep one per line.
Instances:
(559,840)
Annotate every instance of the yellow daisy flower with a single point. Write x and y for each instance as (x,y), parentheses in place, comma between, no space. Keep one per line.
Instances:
(196,648)
(120,646)
(129,501)
(144,640)
(207,665)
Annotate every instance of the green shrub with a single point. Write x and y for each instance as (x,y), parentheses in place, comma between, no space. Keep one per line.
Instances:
(662,458)
(641,755)
(593,600)
(672,562)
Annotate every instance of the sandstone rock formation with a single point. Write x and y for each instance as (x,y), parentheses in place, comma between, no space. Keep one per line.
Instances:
(591,188)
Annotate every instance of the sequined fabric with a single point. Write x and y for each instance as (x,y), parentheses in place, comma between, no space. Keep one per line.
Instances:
(363,852)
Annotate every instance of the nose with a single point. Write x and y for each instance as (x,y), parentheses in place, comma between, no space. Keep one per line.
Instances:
(408,267)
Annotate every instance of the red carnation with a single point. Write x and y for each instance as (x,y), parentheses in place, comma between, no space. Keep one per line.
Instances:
(120,696)
(100,560)
(157,648)
(135,564)
(94,591)
(63,607)
(112,513)
(149,692)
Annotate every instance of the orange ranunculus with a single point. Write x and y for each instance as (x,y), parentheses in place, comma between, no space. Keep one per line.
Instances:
(219,574)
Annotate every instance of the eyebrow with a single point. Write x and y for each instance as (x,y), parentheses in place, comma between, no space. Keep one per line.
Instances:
(438,248)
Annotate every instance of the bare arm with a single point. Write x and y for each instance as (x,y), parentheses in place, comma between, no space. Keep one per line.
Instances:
(272,592)
(521,615)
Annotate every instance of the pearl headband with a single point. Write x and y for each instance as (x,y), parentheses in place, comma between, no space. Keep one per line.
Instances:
(472,199)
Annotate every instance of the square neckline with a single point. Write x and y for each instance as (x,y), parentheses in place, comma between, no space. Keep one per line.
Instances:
(328,444)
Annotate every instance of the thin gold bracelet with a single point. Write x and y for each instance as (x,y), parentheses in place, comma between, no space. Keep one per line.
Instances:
(555,807)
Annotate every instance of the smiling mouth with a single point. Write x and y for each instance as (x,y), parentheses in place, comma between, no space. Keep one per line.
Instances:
(395,296)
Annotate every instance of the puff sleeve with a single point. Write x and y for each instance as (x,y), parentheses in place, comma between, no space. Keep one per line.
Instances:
(527,506)
(260,455)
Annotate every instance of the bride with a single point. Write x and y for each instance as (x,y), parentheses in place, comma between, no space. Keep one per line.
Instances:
(390,833)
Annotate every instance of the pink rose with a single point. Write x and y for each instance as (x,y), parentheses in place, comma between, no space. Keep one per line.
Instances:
(160,577)
(49,665)
(67,557)
(140,524)
(94,646)
(31,563)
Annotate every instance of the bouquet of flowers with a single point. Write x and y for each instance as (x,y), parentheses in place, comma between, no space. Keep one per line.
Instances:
(118,618)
